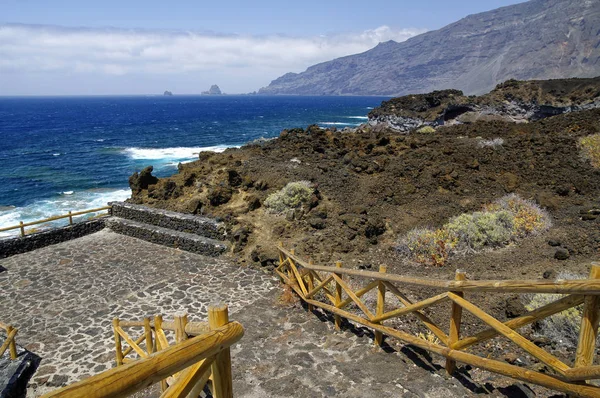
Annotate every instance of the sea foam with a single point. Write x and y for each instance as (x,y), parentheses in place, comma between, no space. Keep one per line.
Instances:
(40,209)
(172,153)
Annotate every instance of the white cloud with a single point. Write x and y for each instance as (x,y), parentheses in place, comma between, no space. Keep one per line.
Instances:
(153,55)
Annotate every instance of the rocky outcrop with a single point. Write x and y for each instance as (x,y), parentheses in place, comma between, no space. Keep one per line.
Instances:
(141,180)
(511,101)
(538,39)
(213,90)
(168,93)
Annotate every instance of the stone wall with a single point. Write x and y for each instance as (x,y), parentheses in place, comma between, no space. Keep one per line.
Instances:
(10,247)
(202,226)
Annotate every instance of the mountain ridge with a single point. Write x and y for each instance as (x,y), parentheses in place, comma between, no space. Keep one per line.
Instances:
(538,39)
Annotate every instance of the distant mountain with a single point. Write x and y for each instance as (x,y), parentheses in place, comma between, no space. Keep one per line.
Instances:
(538,39)
(213,90)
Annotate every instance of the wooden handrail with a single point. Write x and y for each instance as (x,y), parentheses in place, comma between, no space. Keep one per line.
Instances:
(9,344)
(135,376)
(54,218)
(582,286)
(294,272)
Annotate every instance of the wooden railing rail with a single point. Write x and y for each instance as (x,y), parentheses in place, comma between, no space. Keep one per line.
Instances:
(325,287)
(183,369)
(565,286)
(69,215)
(9,344)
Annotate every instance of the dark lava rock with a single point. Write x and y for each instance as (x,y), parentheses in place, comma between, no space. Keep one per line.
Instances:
(141,180)
(165,190)
(264,256)
(561,254)
(253,203)
(514,307)
(234,178)
(549,274)
(589,217)
(219,195)
(317,223)
(553,242)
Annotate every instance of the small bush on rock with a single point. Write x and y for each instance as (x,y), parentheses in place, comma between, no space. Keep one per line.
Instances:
(529,218)
(508,219)
(562,327)
(493,143)
(428,246)
(426,130)
(590,149)
(482,229)
(293,195)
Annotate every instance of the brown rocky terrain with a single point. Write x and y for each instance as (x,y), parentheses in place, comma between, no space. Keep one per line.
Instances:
(373,184)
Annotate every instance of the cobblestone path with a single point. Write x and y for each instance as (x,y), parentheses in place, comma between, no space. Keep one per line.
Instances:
(63,298)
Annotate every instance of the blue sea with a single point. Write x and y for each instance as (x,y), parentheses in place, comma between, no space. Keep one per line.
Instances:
(73,153)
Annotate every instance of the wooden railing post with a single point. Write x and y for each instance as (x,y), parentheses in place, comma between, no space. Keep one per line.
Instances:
(291,276)
(338,297)
(22,228)
(218,315)
(455,321)
(118,346)
(70,218)
(148,332)
(12,346)
(589,325)
(311,284)
(180,322)
(380,305)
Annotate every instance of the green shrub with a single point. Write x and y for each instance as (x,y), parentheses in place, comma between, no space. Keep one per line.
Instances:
(562,327)
(529,218)
(482,229)
(426,130)
(292,196)
(590,149)
(428,246)
(508,219)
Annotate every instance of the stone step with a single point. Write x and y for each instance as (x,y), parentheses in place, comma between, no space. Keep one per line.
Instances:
(203,226)
(166,237)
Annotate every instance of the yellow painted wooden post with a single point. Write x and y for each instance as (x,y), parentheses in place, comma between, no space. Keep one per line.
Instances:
(338,297)
(218,315)
(148,332)
(380,305)
(118,347)
(12,346)
(311,285)
(589,325)
(22,228)
(70,218)
(455,321)
(158,320)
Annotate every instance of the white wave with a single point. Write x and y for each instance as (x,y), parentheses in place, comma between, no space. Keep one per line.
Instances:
(68,193)
(80,200)
(358,117)
(100,140)
(339,124)
(173,153)
(370,107)
(56,154)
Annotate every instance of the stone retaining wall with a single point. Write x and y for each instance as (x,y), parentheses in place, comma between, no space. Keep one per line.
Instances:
(23,244)
(189,223)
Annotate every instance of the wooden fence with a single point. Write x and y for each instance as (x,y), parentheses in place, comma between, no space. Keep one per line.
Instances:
(200,354)
(326,287)
(69,215)
(10,343)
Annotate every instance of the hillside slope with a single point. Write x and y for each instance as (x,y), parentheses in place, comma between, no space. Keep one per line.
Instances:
(539,39)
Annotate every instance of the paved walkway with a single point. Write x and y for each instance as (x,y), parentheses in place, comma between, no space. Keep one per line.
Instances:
(63,298)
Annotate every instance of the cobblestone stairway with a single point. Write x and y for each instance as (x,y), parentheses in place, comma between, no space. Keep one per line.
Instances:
(195,234)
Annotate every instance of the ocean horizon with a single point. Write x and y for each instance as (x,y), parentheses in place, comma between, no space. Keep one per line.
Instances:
(64,153)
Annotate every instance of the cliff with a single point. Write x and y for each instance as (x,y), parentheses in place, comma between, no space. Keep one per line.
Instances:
(539,39)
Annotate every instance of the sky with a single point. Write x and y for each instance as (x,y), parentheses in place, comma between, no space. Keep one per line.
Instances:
(69,47)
